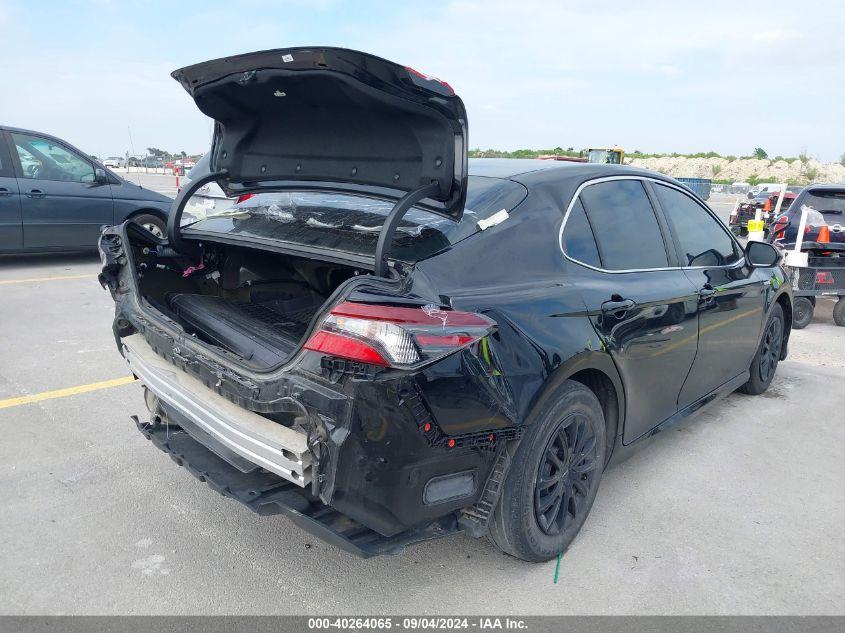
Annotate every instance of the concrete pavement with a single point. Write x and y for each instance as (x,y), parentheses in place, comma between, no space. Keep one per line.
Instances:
(739,512)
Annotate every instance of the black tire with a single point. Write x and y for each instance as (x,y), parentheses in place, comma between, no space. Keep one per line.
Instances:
(802,312)
(765,362)
(839,312)
(520,527)
(152,223)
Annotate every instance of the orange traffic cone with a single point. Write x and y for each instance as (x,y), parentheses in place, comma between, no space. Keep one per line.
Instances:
(824,235)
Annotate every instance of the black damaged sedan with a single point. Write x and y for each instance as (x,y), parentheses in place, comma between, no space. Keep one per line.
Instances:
(386,342)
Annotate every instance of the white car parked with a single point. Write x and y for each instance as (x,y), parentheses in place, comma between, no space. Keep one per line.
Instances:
(115,162)
(208,199)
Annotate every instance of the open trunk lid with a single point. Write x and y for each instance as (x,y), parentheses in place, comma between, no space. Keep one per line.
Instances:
(332,119)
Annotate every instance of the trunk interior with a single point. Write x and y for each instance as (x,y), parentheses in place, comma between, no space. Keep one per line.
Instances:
(253,304)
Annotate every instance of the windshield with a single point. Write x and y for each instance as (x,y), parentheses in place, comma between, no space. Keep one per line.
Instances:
(352,223)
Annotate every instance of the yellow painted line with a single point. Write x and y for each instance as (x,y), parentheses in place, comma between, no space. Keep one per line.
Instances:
(63,393)
(33,280)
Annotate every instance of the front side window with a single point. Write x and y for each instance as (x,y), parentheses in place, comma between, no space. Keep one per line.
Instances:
(703,239)
(624,225)
(42,159)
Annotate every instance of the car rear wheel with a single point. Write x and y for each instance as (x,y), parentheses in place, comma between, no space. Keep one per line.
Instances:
(802,312)
(553,477)
(152,223)
(766,359)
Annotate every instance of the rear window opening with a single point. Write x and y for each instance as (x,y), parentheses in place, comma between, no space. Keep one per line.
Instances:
(348,223)
(828,203)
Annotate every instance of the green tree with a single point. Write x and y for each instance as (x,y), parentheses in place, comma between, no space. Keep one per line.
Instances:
(760,153)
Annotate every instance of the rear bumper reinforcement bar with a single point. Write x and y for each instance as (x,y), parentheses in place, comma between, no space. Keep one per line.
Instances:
(267,444)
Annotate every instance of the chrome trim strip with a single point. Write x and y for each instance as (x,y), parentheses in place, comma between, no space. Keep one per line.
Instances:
(268,444)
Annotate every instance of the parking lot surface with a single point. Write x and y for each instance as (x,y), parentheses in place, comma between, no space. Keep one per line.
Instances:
(740,512)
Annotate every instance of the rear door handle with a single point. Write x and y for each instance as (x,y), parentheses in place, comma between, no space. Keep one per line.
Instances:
(617,307)
(35,193)
(5,192)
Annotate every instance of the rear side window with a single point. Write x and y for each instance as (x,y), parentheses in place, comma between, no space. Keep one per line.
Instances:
(578,238)
(624,224)
(703,239)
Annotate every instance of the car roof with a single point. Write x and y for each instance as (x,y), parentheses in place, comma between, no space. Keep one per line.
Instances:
(510,167)
(21,130)
(826,187)
(18,130)
(531,171)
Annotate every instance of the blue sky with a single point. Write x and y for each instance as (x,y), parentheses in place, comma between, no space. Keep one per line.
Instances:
(648,75)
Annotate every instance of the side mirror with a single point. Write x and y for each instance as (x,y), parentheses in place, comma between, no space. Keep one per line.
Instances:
(100,176)
(761,254)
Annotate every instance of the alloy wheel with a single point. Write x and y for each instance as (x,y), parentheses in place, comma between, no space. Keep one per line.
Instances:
(770,352)
(564,477)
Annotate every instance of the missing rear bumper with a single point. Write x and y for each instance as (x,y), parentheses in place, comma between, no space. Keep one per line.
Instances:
(268,494)
(271,446)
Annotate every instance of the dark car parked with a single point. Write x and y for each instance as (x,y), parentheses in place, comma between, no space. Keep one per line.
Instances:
(398,344)
(826,207)
(55,197)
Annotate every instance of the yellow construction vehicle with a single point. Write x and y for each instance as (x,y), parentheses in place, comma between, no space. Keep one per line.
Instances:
(602,155)
(606,155)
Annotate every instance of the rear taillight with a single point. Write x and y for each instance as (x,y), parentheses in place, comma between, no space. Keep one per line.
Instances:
(780,225)
(244,197)
(398,337)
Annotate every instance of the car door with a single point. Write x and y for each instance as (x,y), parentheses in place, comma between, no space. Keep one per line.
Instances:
(640,302)
(62,203)
(11,230)
(731,295)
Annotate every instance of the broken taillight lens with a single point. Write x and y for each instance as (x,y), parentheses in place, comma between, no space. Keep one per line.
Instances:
(397,337)
(244,197)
